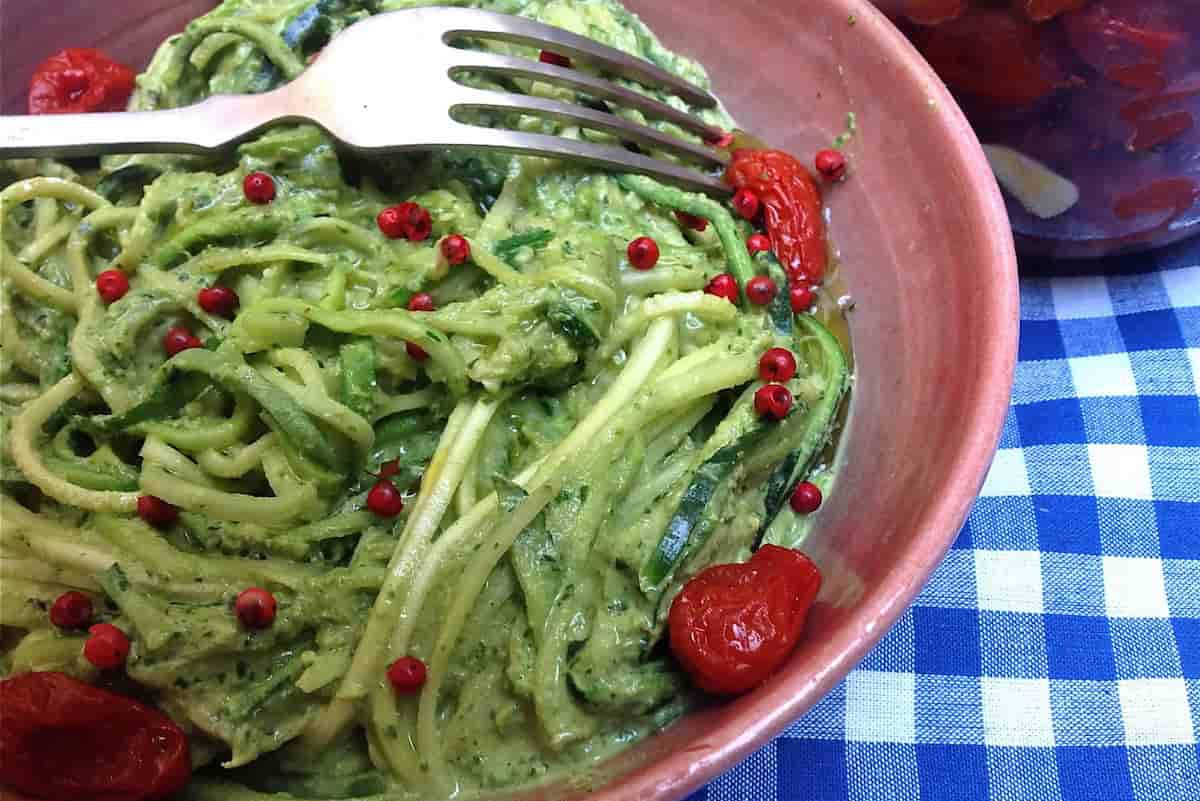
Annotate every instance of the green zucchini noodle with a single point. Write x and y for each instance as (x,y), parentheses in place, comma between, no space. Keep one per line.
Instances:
(551,426)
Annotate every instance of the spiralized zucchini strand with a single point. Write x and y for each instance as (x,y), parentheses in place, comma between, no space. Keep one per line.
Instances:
(436,490)
(470,584)
(27,429)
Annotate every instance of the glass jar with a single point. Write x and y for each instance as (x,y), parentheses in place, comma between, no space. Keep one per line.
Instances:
(1087,110)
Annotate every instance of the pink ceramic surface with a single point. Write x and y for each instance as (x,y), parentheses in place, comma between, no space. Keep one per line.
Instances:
(927,257)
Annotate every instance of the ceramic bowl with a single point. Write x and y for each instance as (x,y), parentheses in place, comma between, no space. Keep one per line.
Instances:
(928,260)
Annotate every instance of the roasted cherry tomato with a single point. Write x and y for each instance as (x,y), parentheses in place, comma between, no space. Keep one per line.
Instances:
(933,12)
(1038,10)
(732,626)
(79,79)
(64,740)
(1113,36)
(992,54)
(1042,10)
(791,205)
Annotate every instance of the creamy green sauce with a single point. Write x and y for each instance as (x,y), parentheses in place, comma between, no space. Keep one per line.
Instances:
(266,439)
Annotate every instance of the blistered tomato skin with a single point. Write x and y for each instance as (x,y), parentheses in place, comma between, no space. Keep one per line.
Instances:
(732,626)
(64,740)
(79,80)
(791,204)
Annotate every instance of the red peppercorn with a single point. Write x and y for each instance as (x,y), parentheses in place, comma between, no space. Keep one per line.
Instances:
(255,608)
(773,401)
(389,469)
(107,647)
(557,59)
(758,243)
(761,290)
(415,351)
(642,253)
(723,286)
(806,498)
(722,140)
(831,164)
(746,203)
(691,221)
(407,675)
(390,222)
(407,220)
(259,187)
(156,511)
(421,302)
(384,499)
(179,339)
(112,285)
(802,298)
(778,365)
(219,300)
(71,610)
(417,222)
(456,249)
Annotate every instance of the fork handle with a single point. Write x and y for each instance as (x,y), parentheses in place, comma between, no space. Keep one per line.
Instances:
(205,127)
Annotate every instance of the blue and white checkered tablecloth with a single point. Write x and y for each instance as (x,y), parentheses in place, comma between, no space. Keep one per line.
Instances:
(1055,655)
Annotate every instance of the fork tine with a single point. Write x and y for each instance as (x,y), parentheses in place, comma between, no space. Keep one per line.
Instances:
(482,99)
(496,64)
(609,157)
(480,24)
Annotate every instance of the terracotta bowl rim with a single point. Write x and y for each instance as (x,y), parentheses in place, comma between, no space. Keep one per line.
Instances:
(773,707)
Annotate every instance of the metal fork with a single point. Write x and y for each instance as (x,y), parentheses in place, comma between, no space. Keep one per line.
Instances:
(388,84)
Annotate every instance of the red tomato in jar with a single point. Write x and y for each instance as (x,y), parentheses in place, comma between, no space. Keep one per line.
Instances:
(79,79)
(64,740)
(934,12)
(992,54)
(791,205)
(1040,10)
(1121,34)
(732,626)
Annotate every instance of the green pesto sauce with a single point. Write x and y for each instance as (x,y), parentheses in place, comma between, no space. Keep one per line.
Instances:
(561,660)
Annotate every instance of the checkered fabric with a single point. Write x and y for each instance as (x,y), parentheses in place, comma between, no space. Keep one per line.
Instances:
(1055,655)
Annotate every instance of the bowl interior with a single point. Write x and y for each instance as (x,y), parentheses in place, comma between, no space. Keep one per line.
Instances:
(928,260)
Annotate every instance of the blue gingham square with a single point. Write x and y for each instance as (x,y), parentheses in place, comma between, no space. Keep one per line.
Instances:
(1055,654)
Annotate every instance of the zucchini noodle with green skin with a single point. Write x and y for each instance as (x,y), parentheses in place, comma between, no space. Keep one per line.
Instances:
(572,438)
